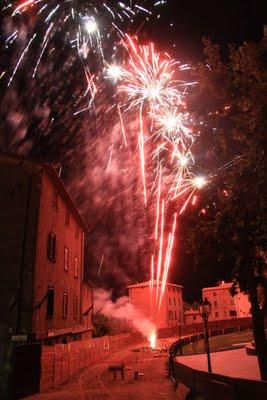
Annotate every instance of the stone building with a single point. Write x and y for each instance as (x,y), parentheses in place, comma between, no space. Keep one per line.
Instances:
(224,305)
(192,316)
(42,255)
(144,297)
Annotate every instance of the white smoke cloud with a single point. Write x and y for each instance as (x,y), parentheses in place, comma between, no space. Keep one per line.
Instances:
(122,309)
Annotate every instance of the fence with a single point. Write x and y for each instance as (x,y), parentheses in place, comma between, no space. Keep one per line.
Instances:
(61,362)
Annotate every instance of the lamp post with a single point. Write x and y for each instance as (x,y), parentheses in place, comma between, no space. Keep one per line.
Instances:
(205,310)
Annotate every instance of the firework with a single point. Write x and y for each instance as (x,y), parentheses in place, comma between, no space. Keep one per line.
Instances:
(141,150)
(149,78)
(82,25)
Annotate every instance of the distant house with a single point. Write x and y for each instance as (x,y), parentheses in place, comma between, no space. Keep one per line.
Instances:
(41,253)
(144,297)
(192,317)
(224,305)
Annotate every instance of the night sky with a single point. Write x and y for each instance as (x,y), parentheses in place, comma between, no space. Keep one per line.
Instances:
(182,24)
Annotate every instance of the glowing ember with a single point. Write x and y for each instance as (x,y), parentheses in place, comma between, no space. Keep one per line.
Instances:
(91,26)
(153,339)
(199,182)
(114,72)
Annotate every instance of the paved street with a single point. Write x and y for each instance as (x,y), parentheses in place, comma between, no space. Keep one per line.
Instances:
(96,382)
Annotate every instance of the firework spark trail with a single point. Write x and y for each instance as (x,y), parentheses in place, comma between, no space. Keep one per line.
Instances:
(122,127)
(167,260)
(160,247)
(44,45)
(20,59)
(142,153)
(158,206)
(152,284)
(24,4)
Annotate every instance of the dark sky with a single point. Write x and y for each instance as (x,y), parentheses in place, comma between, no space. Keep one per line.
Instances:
(182,24)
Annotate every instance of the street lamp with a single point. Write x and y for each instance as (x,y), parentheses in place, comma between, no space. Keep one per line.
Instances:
(205,310)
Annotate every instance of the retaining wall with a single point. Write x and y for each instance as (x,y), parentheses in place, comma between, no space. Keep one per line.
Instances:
(209,386)
(215,327)
(62,361)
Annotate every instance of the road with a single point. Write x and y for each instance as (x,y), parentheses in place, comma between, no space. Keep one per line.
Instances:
(96,382)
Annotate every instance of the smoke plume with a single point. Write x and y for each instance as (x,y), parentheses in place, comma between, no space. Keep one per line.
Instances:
(122,309)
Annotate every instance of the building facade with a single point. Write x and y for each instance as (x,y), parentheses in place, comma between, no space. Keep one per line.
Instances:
(192,317)
(144,297)
(224,305)
(42,254)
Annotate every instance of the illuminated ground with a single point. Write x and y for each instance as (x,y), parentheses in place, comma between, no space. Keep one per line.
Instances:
(235,363)
(96,383)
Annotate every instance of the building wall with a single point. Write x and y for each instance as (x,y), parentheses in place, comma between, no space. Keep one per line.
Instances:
(53,274)
(243,305)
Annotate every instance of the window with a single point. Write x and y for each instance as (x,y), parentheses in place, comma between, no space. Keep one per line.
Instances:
(170,314)
(214,294)
(65,305)
(76,267)
(233,313)
(194,317)
(232,303)
(51,246)
(75,307)
(67,218)
(50,302)
(215,304)
(77,231)
(55,199)
(216,314)
(66,258)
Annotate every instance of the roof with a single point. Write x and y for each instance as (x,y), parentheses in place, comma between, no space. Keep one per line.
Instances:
(225,285)
(148,283)
(35,166)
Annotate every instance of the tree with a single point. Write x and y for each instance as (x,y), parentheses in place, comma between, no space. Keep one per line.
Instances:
(100,323)
(229,226)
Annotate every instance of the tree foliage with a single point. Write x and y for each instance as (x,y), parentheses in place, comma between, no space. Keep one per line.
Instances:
(100,323)
(229,228)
